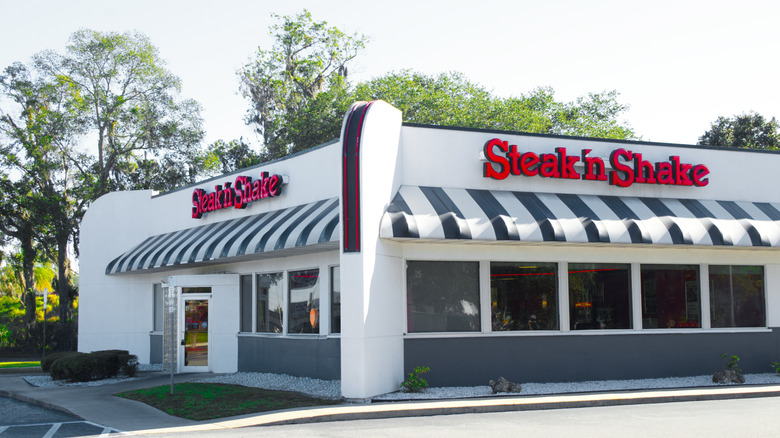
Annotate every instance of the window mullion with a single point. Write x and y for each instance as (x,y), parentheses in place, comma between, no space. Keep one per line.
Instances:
(486,307)
(704,287)
(563,296)
(636,296)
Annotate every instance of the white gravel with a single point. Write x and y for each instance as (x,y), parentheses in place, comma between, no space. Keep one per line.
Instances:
(47,382)
(574,387)
(331,389)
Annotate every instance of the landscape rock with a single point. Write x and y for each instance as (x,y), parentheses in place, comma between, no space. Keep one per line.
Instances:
(504,385)
(727,376)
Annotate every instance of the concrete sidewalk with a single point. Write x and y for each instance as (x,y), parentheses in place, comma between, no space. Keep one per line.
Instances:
(97,404)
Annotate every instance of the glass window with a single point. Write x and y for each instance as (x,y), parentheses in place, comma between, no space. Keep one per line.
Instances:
(599,296)
(442,296)
(670,296)
(335,299)
(737,296)
(304,310)
(524,296)
(246,303)
(270,302)
(158,307)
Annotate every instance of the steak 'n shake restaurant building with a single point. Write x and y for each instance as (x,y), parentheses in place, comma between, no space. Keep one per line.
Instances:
(479,254)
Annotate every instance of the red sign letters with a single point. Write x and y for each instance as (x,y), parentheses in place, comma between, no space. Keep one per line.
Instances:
(628,167)
(237,194)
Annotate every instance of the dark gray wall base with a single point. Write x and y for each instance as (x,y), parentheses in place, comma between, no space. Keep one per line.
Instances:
(566,358)
(305,357)
(155,348)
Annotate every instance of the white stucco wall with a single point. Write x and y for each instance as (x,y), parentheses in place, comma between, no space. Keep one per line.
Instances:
(372,334)
(116,311)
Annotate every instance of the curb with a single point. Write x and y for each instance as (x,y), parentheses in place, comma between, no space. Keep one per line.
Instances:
(21,370)
(36,402)
(371,411)
(543,402)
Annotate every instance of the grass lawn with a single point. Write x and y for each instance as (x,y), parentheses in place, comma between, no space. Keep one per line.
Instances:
(26,364)
(204,401)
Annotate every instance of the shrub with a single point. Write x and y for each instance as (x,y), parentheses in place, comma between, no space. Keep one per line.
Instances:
(51,358)
(775,366)
(83,367)
(74,367)
(128,364)
(730,363)
(415,383)
(104,364)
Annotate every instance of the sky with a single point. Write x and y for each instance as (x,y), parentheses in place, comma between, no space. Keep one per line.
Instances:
(677,64)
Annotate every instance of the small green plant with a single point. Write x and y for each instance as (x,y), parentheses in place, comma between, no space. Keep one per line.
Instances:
(415,383)
(775,366)
(730,363)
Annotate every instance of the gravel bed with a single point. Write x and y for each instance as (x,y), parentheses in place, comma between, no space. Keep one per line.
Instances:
(48,382)
(331,389)
(574,387)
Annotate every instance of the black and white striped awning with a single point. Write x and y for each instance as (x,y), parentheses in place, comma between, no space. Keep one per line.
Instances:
(305,228)
(435,213)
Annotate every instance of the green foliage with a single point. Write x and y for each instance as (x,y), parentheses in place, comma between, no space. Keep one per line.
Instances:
(5,336)
(307,58)
(10,309)
(76,367)
(51,358)
(414,382)
(225,157)
(730,362)
(203,401)
(749,131)
(97,365)
(147,136)
(298,94)
(775,366)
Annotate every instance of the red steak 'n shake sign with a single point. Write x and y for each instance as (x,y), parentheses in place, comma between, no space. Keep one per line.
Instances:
(628,167)
(237,194)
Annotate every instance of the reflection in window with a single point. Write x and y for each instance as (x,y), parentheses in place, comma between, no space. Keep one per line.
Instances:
(670,296)
(335,299)
(599,296)
(442,296)
(270,302)
(245,287)
(304,312)
(737,296)
(524,296)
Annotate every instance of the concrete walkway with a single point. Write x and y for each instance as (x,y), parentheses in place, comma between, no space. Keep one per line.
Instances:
(97,404)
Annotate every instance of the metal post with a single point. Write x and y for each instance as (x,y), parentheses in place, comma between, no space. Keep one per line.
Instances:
(45,302)
(172,311)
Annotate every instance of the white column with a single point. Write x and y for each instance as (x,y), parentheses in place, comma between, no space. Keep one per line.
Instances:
(636,296)
(563,296)
(485,296)
(704,273)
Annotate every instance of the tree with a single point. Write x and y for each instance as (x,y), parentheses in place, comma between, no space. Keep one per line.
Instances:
(40,210)
(750,131)
(227,157)
(116,87)
(130,101)
(307,58)
(450,99)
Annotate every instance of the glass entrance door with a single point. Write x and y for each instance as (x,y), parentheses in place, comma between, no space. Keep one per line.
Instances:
(196,333)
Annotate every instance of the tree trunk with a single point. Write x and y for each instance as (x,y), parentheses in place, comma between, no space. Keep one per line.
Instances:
(29,255)
(63,291)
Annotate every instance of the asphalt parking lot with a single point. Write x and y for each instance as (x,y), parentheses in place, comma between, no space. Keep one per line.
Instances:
(20,419)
